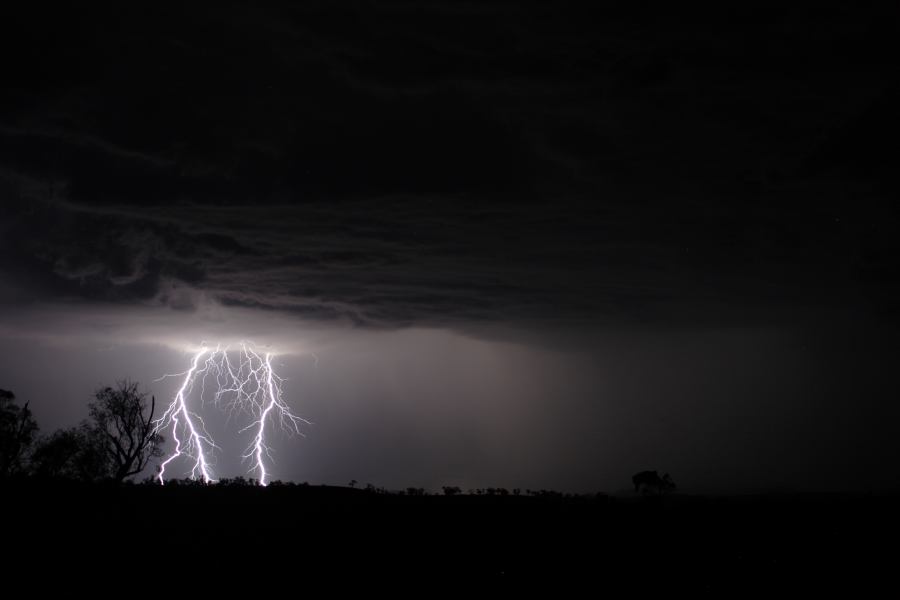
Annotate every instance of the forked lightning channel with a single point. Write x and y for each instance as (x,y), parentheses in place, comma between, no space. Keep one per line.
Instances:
(244,384)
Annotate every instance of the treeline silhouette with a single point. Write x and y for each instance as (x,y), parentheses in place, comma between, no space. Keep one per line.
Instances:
(116,441)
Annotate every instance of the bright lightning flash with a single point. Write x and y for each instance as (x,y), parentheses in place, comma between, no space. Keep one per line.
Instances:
(245,384)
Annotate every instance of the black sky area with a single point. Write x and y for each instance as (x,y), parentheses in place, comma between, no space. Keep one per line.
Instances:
(539,244)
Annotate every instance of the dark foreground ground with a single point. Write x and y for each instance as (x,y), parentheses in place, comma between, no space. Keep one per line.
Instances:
(353,540)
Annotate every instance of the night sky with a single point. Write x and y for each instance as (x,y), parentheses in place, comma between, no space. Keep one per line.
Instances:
(511,244)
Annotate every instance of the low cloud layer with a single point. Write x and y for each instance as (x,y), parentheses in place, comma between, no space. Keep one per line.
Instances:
(361,165)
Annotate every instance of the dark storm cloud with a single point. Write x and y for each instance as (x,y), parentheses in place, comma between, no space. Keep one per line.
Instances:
(575,240)
(460,163)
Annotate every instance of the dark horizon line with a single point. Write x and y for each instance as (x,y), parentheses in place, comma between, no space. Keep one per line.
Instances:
(494,492)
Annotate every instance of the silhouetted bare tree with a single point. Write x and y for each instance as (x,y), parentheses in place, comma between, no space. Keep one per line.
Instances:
(129,437)
(18,430)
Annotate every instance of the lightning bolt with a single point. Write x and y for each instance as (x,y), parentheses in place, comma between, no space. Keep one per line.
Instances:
(189,438)
(245,384)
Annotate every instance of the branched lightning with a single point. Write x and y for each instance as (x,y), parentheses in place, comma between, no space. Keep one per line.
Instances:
(245,384)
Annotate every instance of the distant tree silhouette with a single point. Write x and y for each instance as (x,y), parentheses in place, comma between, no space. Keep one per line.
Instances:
(353,483)
(451,490)
(18,430)
(76,453)
(129,437)
(649,482)
(239,481)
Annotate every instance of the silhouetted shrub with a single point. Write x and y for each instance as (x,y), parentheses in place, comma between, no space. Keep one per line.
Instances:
(18,431)
(76,453)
